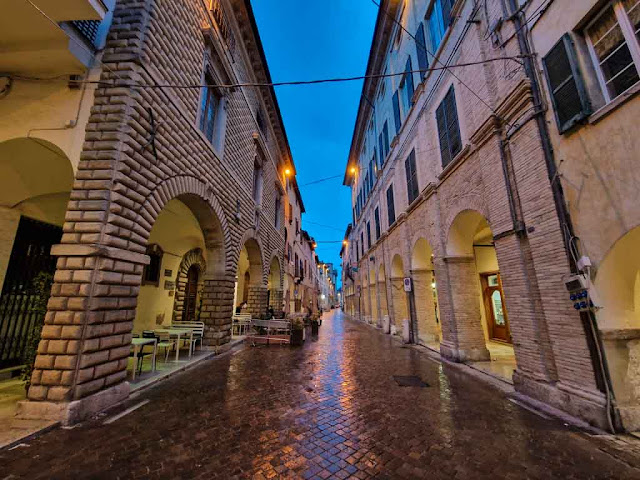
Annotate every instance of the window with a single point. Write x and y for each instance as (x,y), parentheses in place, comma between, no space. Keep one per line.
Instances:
(368,234)
(376,218)
(383,142)
(407,86)
(396,111)
(373,173)
(448,128)
(568,94)
(209,105)
(357,252)
(278,206)
(412,177)
(362,242)
(290,214)
(391,208)
(151,272)
(295,264)
(421,46)
(613,42)
(257,182)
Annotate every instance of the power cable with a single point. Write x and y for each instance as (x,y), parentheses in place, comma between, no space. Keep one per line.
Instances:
(320,180)
(325,226)
(105,83)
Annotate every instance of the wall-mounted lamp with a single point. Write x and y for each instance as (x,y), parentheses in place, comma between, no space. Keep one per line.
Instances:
(345,243)
(287,172)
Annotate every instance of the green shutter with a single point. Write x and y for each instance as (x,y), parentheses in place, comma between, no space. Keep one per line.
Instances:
(421,46)
(396,111)
(568,94)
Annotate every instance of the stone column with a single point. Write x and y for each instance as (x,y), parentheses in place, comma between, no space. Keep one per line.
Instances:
(399,300)
(217,309)
(463,337)
(425,307)
(87,333)
(257,302)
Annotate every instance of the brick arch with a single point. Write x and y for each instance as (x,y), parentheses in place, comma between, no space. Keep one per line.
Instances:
(461,229)
(275,256)
(191,258)
(256,254)
(199,197)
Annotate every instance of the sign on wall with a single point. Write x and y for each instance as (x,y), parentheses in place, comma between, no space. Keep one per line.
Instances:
(407,284)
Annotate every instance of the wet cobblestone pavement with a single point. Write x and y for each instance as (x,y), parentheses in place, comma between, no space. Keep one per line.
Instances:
(328,410)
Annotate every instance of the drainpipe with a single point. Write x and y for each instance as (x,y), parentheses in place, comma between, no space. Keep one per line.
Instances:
(594,340)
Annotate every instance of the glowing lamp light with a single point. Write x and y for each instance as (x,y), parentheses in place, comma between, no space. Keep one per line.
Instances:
(353,170)
(345,243)
(287,172)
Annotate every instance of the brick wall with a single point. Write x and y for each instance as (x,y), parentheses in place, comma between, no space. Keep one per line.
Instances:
(121,187)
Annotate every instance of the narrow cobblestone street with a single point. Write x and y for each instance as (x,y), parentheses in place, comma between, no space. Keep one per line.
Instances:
(328,410)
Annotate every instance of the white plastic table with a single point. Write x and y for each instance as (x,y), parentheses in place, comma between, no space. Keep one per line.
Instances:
(178,332)
(138,344)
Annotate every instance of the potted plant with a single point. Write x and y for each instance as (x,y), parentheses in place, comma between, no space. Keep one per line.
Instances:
(297,332)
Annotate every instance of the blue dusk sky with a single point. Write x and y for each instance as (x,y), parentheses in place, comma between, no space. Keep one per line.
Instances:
(306,40)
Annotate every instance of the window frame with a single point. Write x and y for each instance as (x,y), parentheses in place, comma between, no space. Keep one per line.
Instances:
(451,154)
(630,39)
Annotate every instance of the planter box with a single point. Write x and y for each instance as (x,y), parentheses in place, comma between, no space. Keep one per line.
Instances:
(297,337)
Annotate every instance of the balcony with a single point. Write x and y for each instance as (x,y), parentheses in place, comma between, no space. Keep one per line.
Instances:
(36,41)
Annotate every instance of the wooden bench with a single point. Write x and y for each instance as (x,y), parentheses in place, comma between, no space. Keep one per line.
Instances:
(240,323)
(196,327)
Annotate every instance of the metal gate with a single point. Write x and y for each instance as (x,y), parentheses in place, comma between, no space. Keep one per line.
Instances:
(29,257)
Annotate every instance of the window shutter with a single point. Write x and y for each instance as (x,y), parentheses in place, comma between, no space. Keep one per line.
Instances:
(385,137)
(396,111)
(380,146)
(421,46)
(446,12)
(391,209)
(568,94)
(412,178)
(408,77)
(441,120)
(453,126)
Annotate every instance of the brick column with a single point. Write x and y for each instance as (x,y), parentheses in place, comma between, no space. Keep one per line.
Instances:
(257,302)
(425,307)
(217,309)
(276,301)
(87,333)
(373,294)
(399,302)
(463,337)
(382,295)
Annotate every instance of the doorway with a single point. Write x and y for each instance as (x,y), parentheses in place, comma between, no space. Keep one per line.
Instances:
(497,320)
(191,295)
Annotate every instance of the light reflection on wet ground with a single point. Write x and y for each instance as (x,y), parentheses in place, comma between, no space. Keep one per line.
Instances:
(330,409)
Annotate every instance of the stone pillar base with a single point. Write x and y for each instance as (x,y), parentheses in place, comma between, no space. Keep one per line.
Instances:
(460,355)
(590,406)
(69,413)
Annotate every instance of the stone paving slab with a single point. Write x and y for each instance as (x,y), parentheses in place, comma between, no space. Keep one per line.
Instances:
(330,409)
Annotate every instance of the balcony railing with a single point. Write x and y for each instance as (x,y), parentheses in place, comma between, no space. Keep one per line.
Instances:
(88,29)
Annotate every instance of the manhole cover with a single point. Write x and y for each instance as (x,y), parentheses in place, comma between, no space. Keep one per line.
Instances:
(409,381)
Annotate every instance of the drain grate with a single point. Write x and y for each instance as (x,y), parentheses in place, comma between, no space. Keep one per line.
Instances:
(409,381)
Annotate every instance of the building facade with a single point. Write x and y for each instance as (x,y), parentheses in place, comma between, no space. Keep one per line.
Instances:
(595,136)
(159,204)
(462,234)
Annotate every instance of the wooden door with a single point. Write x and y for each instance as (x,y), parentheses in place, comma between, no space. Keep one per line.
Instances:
(496,311)
(190,295)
